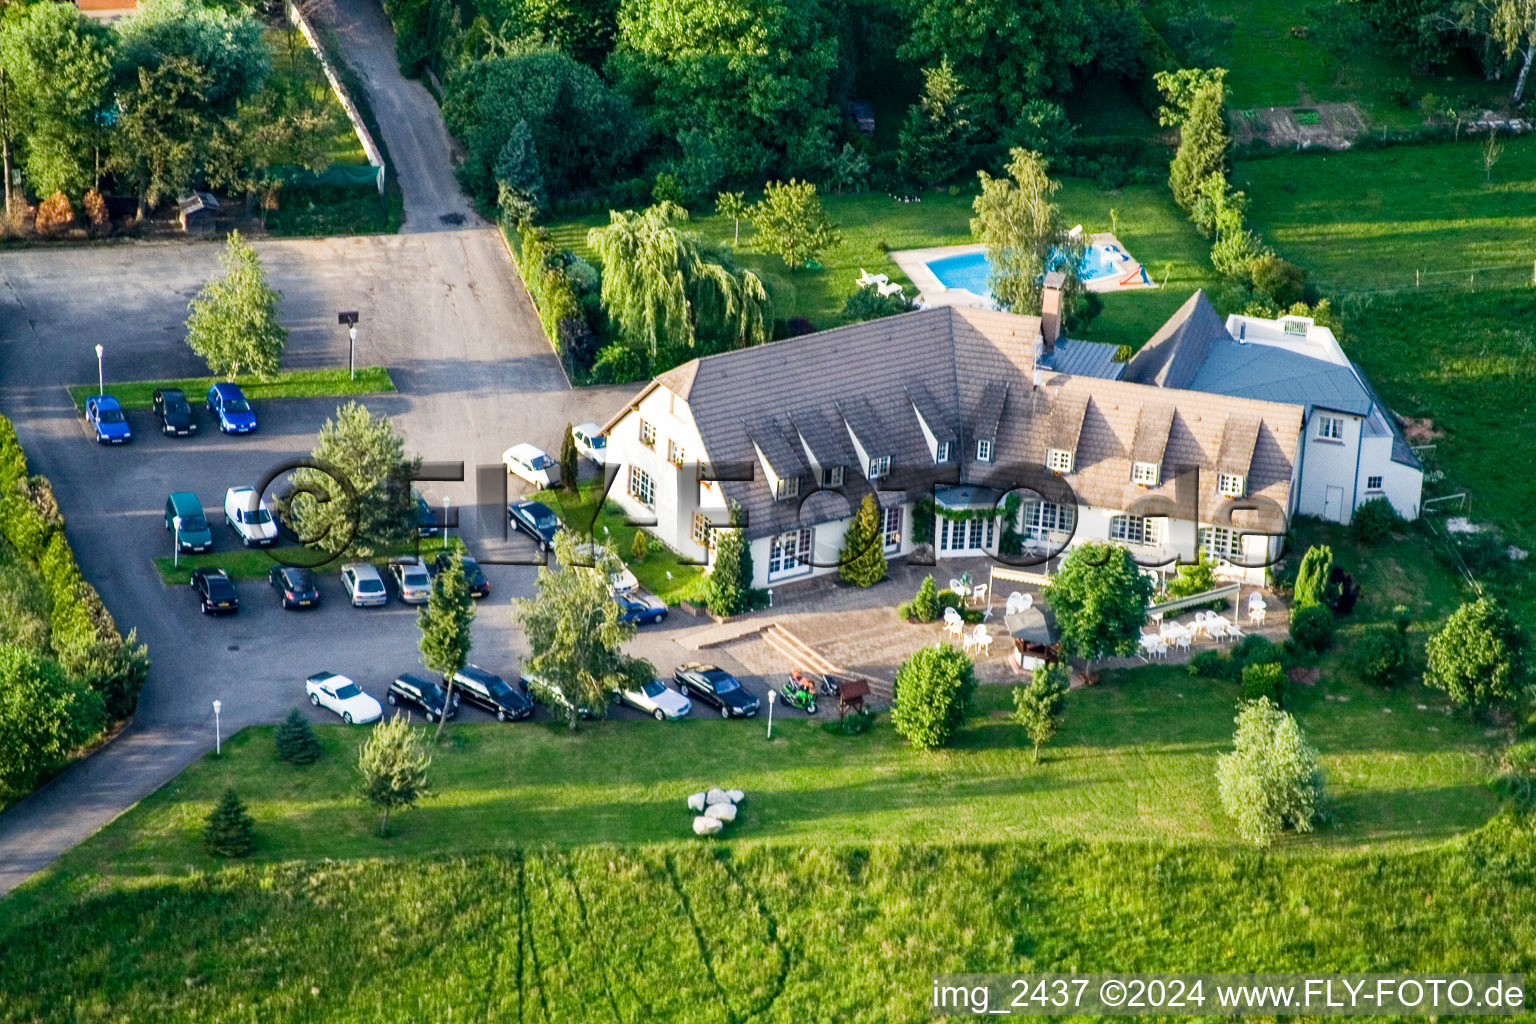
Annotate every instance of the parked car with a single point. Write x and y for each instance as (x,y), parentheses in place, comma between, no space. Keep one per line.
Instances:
(174,412)
(658,700)
(493,693)
(105,417)
(364,585)
(620,579)
(411,580)
(296,585)
(343,696)
(640,607)
(479,586)
(249,517)
(531,463)
(591,442)
(536,520)
(424,693)
(426,518)
(550,695)
(184,516)
(216,591)
(231,410)
(716,687)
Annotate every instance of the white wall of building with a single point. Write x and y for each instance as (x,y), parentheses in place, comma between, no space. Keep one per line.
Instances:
(678,492)
(1329,468)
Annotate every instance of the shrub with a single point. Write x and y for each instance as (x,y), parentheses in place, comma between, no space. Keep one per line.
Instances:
(1312,628)
(640,547)
(1265,681)
(1255,649)
(45,716)
(862,559)
(1343,592)
(29,516)
(1381,656)
(1281,280)
(667,189)
(933,693)
(855,724)
(1193,579)
(1312,577)
(1211,664)
(1271,779)
(1375,520)
(924,606)
(1478,657)
(55,215)
(95,206)
(296,742)
(229,832)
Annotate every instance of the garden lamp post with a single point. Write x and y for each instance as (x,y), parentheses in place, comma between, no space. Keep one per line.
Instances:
(218,745)
(101,377)
(176,541)
(772,696)
(348,320)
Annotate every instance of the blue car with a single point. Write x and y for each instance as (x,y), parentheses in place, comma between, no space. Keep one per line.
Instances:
(104,416)
(639,607)
(228,405)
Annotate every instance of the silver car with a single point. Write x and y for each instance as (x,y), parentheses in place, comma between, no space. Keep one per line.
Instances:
(364,585)
(411,580)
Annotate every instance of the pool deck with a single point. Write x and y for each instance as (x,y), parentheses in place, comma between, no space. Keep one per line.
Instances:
(914,263)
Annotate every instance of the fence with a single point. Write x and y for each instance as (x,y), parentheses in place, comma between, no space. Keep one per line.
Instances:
(1504,275)
(370,148)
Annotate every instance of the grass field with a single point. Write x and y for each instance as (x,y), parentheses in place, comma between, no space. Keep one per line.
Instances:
(663,572)
(243,563)
(1152,227)
(1370,218)
(139,394)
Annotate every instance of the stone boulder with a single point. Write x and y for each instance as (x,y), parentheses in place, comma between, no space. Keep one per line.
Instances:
(715,796)
(707,826)
(696,803)
(736,795)
(725,812)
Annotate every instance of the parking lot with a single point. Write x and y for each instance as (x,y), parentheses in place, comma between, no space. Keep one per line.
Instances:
(474,373)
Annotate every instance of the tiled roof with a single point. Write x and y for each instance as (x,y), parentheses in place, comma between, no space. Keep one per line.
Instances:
(1152,433)
(1238,439)
(933,414)
(1170,357)
(972,368)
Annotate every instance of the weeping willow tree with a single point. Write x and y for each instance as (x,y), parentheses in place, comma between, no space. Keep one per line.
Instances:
(664,291)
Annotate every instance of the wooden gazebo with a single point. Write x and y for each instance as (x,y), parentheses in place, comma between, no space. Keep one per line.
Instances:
(1035,640)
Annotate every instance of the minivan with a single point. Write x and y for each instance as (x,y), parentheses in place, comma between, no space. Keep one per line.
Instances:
(194,534)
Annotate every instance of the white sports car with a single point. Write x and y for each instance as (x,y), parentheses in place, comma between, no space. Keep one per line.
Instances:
(343,696)
(658,700)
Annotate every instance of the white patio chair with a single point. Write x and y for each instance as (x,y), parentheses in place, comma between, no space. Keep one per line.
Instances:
(954,625)
(979,593)
(1257,615)
(1152,646)
(1234,631)
(1181,641)
(981,639)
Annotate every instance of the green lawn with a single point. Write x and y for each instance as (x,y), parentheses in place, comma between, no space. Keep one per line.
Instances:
(1152,227)
(1370,218)
(296,73)
(663,572)
(244,563)
(139,394)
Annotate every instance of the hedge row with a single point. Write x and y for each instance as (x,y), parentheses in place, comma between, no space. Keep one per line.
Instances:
(544,275)
(83,637)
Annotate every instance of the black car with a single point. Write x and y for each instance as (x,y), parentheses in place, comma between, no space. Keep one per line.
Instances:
(479,586)
(174,412)
(424,693)
(296,585)
(216,590)
(493,693)
(426,518)
(536,520)
(715,686)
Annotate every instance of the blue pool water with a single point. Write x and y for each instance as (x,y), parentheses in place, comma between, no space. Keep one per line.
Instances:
(971,270)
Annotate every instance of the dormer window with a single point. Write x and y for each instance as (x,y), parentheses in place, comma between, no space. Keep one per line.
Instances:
(832,476)
(1059,460)
(1231,485)
(1146,473)
(984,450)
(787,488)
(880,468)
(941,454)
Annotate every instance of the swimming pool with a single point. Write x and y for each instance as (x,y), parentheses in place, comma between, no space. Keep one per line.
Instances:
(971,270)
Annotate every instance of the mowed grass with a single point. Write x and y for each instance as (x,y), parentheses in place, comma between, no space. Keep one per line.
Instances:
(1134,761)
(1369,219)
(722,932)
(1154,230)
(139,394)
(663,571)
(243,563)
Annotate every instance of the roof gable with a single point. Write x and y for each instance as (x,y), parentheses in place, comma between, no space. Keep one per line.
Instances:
(1171,357)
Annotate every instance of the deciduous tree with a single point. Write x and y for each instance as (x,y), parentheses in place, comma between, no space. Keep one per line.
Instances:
(393,764)
(1479,656)
(233,322)
(1271,780)
(1021,227)
(445,624)
(791,222)
(1039,705)
(732,205)
(934,688)
(1100,599)
(44,717)
(162,122)
(225,43)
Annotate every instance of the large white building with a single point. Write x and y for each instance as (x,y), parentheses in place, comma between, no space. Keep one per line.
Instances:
(1210,438)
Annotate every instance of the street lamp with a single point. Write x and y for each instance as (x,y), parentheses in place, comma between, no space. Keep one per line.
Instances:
(772,696)
(348,320)
(218,745)
(101,378)
(176,541)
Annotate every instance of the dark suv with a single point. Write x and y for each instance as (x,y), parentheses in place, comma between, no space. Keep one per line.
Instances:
(174,412)
(474,577)
(423,693)
(216,590)
(493,693)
